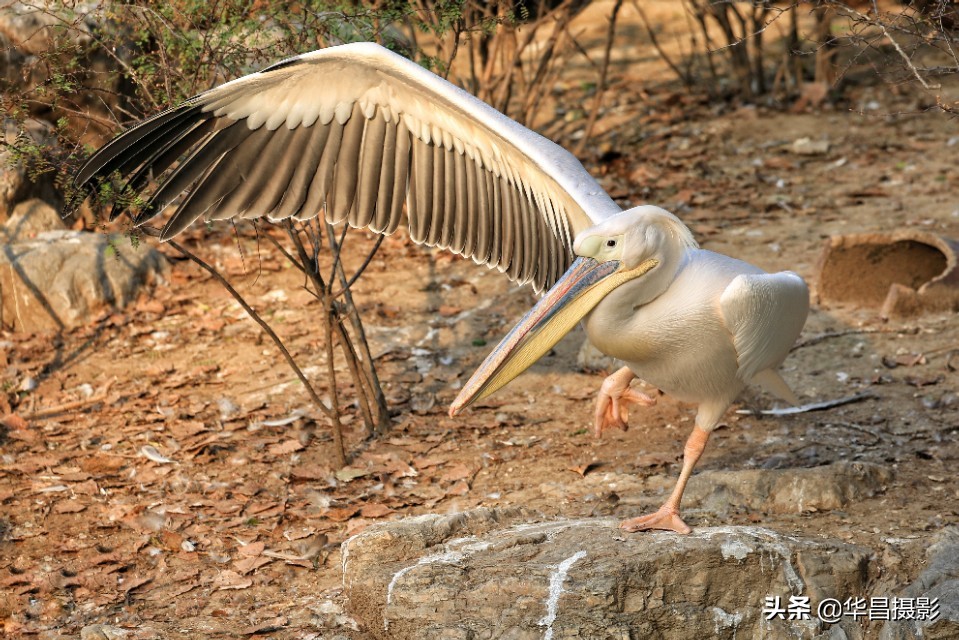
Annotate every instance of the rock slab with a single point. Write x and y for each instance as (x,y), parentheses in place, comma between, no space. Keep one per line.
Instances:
(61,279)
(938,582)
(508,574)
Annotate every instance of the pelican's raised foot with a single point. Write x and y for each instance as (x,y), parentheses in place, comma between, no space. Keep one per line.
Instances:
(665,518)
(612,403)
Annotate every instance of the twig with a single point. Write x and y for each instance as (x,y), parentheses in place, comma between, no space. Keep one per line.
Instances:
(684,78)
(329,319)
(329,412)
(603,75)
(359,272)
(815,406)
(855,427)
(882,27)
(816,339)
(99,396)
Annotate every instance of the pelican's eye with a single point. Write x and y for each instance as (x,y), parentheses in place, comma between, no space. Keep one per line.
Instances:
(610,243)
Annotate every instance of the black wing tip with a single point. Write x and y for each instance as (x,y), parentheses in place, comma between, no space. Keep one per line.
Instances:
(283,64)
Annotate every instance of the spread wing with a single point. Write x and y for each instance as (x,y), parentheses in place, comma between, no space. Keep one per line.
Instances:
(765,313)
(356,132)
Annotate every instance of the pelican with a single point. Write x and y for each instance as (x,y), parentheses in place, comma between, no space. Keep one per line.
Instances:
(374,141)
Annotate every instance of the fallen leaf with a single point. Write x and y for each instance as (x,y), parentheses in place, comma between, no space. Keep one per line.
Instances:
(375,510)
(101,463)
(69,506)
(341,514)
(171,540)
(13,421)
(346,474)
(286,447)
(131,582)
(425,462)
(310,472)
(459,489)
(228,579)
(251,550)
(276,624)
(246,565)
(456,472)
(583,469)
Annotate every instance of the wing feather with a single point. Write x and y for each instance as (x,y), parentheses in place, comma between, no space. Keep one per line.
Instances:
(765,313)
(355,133)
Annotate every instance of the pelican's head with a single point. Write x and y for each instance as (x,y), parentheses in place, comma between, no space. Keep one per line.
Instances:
(623,247)
(634,236)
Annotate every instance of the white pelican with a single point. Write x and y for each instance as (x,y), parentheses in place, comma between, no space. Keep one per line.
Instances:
(356,131)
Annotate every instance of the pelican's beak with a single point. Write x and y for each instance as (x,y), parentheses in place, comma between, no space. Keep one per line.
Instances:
(574,295)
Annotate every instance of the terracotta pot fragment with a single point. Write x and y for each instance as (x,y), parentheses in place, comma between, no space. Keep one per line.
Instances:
(903,273)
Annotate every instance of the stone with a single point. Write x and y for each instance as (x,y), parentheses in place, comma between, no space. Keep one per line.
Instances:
(29,219)
(791,490)
(507,573)
(938,582)
(61,279)
(809,147)
(16,183)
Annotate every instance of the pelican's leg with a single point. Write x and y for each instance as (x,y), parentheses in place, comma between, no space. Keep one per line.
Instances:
(668,515)
(615,395)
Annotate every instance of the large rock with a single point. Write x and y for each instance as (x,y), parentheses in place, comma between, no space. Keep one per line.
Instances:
(791,490)
(16,182)
(936,589)
(61,279)
(501,574)
(28,220)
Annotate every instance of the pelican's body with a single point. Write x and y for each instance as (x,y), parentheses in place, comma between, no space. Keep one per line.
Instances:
(680,343)
(366,138)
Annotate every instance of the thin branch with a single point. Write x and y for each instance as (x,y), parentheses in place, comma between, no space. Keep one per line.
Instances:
(330,413)
(359,272)
(603,75)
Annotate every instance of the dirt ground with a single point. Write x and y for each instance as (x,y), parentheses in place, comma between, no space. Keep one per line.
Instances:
(239,532)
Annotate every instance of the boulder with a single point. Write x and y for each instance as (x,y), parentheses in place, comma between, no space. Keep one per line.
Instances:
(508,574)
(930,605)
(61,279)
(29,219)
(16,182)
(790,490)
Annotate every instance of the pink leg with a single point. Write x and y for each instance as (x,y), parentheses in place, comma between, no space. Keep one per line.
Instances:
(667,517)
(614,398)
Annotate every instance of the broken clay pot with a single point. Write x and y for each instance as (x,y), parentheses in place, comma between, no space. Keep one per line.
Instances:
(904,273)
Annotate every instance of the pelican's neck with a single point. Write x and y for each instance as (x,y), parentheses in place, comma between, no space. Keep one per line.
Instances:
(647,288)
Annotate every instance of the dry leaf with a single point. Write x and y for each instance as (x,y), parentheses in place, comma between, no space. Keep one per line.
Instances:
(456,472)
(246,565)
(228,579)
(583,469)
(346,474)
(460,488)
(69,506)
(341,514)
(375,510)
(276,624)
(13,421)
(286,447)
(101,463)
(251,550)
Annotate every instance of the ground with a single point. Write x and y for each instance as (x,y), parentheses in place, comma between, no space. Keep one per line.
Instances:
(231,525)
